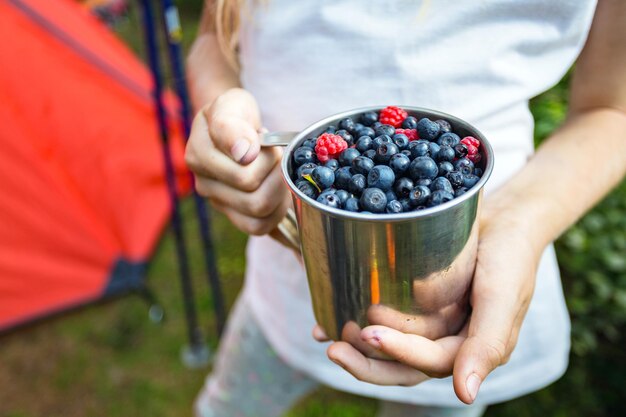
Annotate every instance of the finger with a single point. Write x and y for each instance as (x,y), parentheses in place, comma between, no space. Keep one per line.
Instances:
(434,358)
(319,334)
(432,326)
(253,225)
(375,371)
(260,203)
(351,333)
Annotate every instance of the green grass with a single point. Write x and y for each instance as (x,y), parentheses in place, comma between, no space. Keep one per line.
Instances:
(110,360)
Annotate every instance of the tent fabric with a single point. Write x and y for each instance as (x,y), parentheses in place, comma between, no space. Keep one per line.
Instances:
(82,188)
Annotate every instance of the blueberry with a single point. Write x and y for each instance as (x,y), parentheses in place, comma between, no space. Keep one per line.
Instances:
(342,195)
(393,206)
(446,153)
(332,164)
(385,152)
(464,165)
(407,153)
(390,195)
(419,195)
(427,129)
(460,191)
(444,125)
(418,148)
(327,192)
(330,129)
(306,169)
(381,176)
(303,155)
(352,204)
(374,200)
(342,177)
(460,150)
(478,172)
(376,124)
(423,167)
(450,139)
(470,181)
(399,163)
(310,143)
(403,187)
(369,118)
(424,181)
(364,143)
(401,140)
(347,156)
(330,200)
(441,183)
(357,184)
(362,165)
(307,188)
(346,136)
(364,131)
(381,140)
(456,178)
(370,153)
(445,168)
(384,130)
(346,124)
(439,197)
(409,123)
(324,177)
(433,149)
(406,204)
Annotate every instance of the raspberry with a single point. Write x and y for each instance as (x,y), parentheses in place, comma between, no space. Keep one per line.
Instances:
(472,152)
(393,116)
(409,133)
(470,140)
(329,146)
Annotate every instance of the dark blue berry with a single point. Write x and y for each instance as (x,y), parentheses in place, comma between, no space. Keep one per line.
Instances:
(327,192)
(427,129)
(357,184)
(439,197)
(478,172)
(381,140)
(356,128)
(330,200)
(364,131)
(441,183)
(342,177)
(393,206)
(332,164)
(352,204)
(384,130)
(342,195)
(306,169)
(419,196)
(423,167)
(460,150)
(418,148)
(369,118)
(406,152)
(399,163)
(374,200)
(331,129)
(385,152)
(445,168)
(346,124)
(470,181)
(401,140)
(406,204)
(433,150)
(444,125)
(403,187)
(450,139)
(456,178)
(324,177)
(424,181)
(409,123)
(464,165)
(310,143)
(303,155)
(307,188)
(460,191)
(370,153)
(364,143)
(362,165)
(390,195)
(346,136)
(446,153)
(376,124)
(347,156)
(381,176)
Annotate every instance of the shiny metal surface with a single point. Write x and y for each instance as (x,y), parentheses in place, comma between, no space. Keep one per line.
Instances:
(419,265)
(276,138)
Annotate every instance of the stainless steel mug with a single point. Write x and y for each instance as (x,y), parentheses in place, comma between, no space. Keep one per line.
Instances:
(418,264)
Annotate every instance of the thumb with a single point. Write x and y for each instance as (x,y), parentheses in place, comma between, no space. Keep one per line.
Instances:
(234,121)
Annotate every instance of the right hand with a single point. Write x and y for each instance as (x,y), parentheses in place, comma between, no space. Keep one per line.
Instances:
(238,177)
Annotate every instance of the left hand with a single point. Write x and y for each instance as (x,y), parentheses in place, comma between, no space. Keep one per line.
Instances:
(503,285)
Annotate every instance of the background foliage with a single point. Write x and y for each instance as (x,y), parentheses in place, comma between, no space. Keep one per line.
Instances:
(109,360)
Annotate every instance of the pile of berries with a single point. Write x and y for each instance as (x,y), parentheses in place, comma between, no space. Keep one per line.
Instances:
(386,162)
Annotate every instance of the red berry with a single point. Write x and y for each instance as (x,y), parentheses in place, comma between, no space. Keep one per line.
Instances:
(410,133)
(393,116)
(472,153)
(470,140)
(329,146)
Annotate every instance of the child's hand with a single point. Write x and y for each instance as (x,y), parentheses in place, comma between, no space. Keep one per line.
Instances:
(240,179)
(501,292)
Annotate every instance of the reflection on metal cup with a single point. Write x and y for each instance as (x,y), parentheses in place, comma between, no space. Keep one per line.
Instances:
(418,264)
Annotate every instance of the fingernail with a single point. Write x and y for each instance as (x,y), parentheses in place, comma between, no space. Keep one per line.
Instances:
(472,384)
(240,149)
(374,342)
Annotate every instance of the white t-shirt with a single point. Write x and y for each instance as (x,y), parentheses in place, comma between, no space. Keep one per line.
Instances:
(479,60)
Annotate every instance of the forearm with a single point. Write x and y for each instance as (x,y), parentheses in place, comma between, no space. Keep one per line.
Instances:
(579,164)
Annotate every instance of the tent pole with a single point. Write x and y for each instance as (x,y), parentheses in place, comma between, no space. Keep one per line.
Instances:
(196,353)
(173,30)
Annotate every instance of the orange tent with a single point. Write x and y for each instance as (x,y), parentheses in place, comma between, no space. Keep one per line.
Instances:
(83,196)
